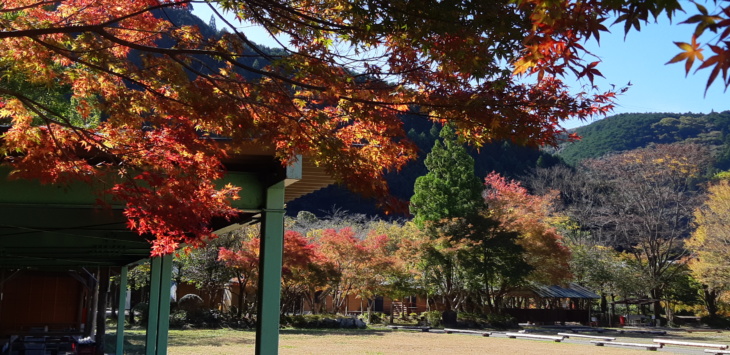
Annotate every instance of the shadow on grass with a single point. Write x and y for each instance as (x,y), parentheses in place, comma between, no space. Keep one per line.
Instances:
(326,332)
(133,344)
(134,341)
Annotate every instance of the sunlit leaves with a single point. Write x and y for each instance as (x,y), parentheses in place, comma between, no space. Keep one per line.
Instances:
(146,90)
(691,51)
(710,241)
(719,24)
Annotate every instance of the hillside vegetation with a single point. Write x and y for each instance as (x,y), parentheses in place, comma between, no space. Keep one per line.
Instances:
(629,131)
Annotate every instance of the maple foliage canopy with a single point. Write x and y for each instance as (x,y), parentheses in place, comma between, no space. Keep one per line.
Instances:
(532,217)
(98,89)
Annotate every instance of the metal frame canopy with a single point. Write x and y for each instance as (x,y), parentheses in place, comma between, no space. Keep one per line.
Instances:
(58,228)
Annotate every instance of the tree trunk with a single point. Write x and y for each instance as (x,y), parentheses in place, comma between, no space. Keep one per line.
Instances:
(370,310)
(710,302)
(657,295)
(241,297)
(669,312)
(613,310)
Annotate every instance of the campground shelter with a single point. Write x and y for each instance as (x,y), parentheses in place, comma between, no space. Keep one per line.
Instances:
(58,249)
(543,304)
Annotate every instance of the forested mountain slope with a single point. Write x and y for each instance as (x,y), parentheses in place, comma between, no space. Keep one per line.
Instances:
(636,130)
(503,157)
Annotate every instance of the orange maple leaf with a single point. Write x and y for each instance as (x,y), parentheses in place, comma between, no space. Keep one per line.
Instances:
(691,52)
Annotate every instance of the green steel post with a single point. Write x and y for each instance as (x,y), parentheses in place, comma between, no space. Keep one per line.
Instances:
(272,247)
(121,309)
(164,318)
(153,309)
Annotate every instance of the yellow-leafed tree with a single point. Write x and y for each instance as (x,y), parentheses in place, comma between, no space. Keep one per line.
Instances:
(710,244)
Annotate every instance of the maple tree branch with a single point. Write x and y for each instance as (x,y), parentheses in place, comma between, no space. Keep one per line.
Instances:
(39,3)
(177,51)
(36,107)
(146,87)
(40,111)
(240,35)
(99,29)
(142,11)
(323,25)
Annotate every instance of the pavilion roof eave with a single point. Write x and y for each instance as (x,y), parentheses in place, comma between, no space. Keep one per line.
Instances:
(572,290)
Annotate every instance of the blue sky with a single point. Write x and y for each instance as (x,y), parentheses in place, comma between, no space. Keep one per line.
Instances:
(640,59)
(656,87)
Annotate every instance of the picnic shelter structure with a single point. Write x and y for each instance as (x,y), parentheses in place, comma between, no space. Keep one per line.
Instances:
(543,304)
(58,249)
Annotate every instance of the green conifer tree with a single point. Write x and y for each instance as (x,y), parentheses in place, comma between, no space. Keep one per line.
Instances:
(212,24)
(450,189)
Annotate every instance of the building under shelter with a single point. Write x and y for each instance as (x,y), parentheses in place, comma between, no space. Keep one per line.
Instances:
(541,304)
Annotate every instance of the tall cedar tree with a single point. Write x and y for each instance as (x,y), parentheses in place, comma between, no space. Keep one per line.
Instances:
(152,82)
(450,189)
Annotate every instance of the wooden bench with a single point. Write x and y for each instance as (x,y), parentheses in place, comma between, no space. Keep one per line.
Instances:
(651,347)
(481,332)
(568,335)
(663,342)
(717,351)
(535,336)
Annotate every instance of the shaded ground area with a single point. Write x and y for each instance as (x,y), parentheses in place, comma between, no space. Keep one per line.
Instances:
(386,341)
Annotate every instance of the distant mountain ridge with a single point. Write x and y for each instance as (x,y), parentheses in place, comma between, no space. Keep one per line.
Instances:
(630,131)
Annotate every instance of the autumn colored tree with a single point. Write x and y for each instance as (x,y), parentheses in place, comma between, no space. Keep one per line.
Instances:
(403,249)
(350,256)
(304,269)
(145,92)
(710,244)
(533,219)
(202,268)
(243,260)
(299,275)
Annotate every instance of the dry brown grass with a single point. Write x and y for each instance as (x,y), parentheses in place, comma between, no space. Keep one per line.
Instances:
(401,342)
(227,342)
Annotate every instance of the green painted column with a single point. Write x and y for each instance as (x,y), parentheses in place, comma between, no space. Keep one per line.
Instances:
(269,291)
(153,307)
(119,350)
(164,315)
(158,323)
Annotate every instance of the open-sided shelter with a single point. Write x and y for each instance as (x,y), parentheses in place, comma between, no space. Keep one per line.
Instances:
(58,248)
(551,304)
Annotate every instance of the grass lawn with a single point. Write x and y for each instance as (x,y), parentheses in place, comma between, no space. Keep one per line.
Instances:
(385,341)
